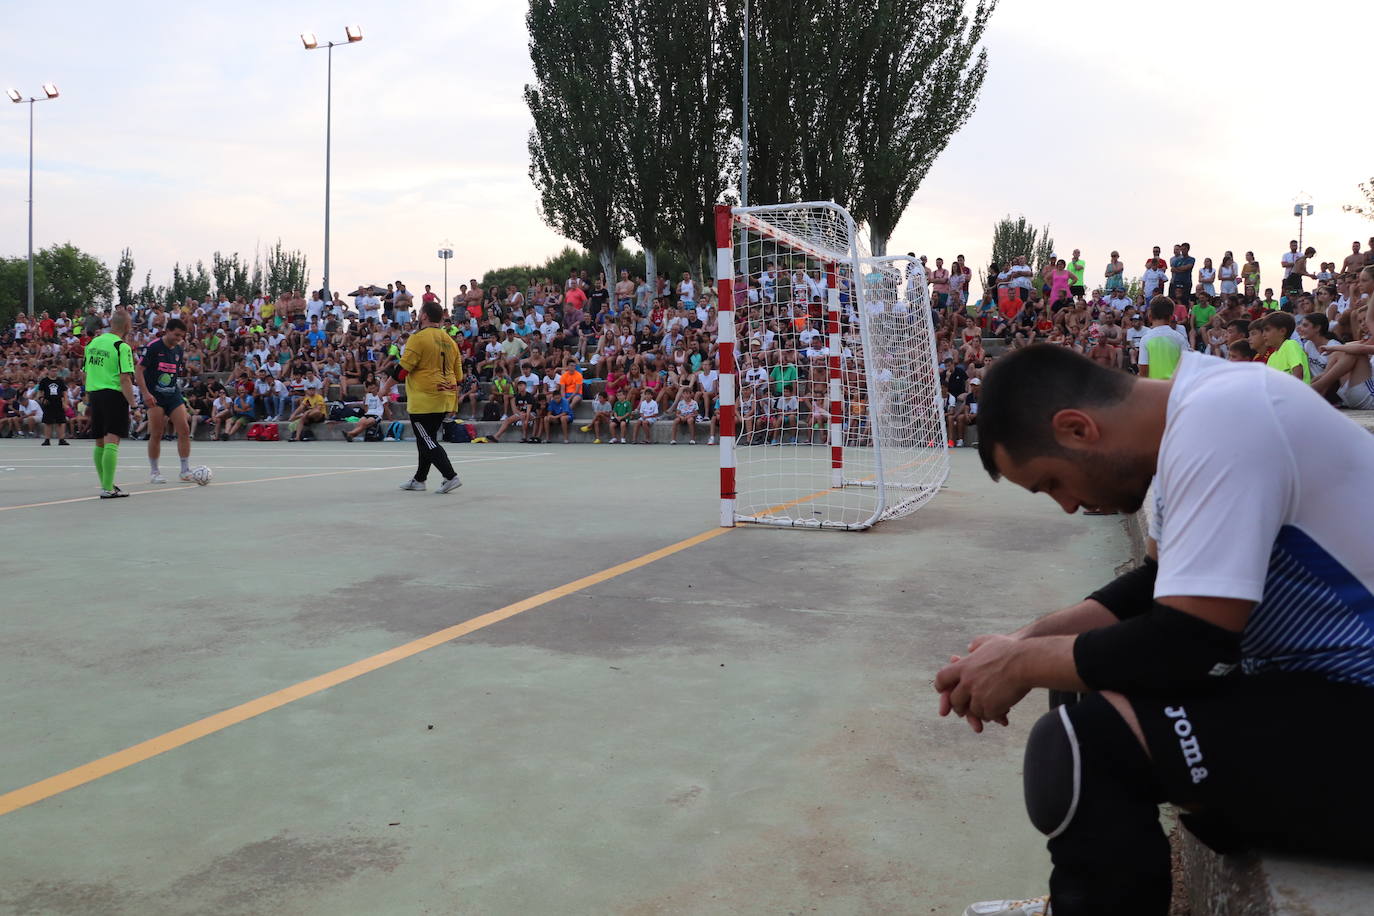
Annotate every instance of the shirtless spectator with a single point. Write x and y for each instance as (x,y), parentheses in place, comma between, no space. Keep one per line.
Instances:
(1348,374)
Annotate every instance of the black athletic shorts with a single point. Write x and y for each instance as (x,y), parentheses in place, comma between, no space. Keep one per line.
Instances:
(1077,290)
(169,404)
(109,414)
(1276,761)
(53,415)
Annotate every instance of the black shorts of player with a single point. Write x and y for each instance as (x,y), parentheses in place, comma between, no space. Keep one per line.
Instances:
(54,415)
(1077,290)
(169,404)
(1291,283)
(1276,761)
(109,414)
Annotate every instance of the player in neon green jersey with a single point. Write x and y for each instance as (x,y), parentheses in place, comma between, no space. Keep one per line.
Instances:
(110,384)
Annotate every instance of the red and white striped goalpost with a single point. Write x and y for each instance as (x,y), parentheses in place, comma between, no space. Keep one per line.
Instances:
(832,330)
(725,339)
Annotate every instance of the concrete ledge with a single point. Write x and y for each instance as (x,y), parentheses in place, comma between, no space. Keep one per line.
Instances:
(1259,884)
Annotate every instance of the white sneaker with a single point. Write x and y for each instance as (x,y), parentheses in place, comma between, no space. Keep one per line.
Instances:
(959,444)
(413,484)
(156,478)
(448,486)
(692,442)
(1034,906)
(711,441)
(188,477)
(672,442)
(393,439)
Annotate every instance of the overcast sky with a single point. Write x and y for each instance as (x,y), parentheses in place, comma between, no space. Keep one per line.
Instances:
(186,128)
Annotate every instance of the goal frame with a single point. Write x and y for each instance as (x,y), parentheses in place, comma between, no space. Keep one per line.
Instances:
(727,221)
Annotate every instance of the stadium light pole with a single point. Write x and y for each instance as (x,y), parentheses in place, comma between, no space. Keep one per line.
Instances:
(744,109)
(446,255)
(1302,207)
(352,34)
(17,97)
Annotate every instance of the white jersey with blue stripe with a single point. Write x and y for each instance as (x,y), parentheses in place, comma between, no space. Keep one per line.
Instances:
(1264,492)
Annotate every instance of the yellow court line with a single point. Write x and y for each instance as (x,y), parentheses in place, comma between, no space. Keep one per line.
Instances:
(113,763)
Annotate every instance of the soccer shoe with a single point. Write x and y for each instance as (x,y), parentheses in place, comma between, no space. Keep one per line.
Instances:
(115,493)
(156,478)
(389,439)
(63,442)
(448,486)
(672,442)
(711,441)
(691,442)
(188,476)
(585,429)
(46,442)
(413,484)
(1034,906)
(598,441)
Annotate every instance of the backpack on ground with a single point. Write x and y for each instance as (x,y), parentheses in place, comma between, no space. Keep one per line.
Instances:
(397,430)
(456,432)
(337,411)
(491,411)
(373,433)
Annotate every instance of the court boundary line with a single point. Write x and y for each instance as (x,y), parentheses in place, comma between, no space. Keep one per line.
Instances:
(239,483)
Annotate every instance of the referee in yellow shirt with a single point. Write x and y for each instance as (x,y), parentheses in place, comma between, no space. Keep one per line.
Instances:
(431,368)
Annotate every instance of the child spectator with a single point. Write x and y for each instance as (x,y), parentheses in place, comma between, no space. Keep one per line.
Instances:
(647,414)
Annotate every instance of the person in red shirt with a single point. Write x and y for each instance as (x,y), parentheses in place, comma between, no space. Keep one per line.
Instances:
(47,328)
(1156,261)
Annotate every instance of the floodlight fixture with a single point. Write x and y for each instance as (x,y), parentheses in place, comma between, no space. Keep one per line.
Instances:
(308,39)
(15,95)
(354,32)
(50,90)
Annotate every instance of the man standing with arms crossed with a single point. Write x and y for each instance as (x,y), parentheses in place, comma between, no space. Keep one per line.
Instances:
(431,369)
(110,384)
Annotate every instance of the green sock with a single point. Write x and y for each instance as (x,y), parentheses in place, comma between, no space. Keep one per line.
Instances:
(111,461)
(100,463)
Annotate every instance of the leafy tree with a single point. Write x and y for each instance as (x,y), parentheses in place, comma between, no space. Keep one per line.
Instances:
(231,276)
(922,86)
(192,283)
(124,277)
(150,293)
(286,270)
(1012,238)
(1365,209)
(575,160)
(14,286)
(72,280)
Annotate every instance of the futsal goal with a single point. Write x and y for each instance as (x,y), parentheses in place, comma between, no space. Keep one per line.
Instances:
(830,412)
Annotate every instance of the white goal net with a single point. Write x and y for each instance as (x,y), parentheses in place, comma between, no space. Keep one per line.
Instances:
(835,401)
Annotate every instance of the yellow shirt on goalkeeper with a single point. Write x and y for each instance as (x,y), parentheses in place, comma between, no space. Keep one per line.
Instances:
(433,369)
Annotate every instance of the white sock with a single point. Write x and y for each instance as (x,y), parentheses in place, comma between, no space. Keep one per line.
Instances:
(185,465)
(152,463)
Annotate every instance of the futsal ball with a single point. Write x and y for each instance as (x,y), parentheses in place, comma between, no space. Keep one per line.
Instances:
(202,475)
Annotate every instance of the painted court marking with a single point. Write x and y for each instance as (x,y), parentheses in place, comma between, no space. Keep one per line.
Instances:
(113,763)
(239,483)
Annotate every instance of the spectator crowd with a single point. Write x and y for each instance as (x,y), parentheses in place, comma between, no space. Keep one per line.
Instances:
(642,352)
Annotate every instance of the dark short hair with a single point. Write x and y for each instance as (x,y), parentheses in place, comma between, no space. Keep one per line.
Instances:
(432,312)
(1161,307)
(1023,391)
(1281,320)
(1241,347)
(174,324)
(1240,325)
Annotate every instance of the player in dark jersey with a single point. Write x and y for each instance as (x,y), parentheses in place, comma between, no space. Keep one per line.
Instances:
(52,395)
(163,363)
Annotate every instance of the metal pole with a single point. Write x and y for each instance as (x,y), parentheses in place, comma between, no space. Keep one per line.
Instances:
(31,208)
(328,127)
(446,284)
(744,134)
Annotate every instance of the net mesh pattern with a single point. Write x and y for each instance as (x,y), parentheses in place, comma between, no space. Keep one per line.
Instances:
(825,332)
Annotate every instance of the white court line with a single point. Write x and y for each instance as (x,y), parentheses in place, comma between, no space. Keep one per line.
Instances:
(237,483)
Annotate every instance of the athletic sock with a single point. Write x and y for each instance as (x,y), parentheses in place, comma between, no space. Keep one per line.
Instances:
(152,464)
(111,463)
(99,458)
(185,465)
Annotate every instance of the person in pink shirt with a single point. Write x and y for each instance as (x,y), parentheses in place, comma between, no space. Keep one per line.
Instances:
(1060,280)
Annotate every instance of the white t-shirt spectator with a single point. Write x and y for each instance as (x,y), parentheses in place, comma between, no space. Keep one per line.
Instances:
(530,379)
(375,407)
(1153,281)
(687,291)
(648,410)
(1119,303)
(786,404)
(548,329)
(707,379)
(755,377)
(1020,276)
